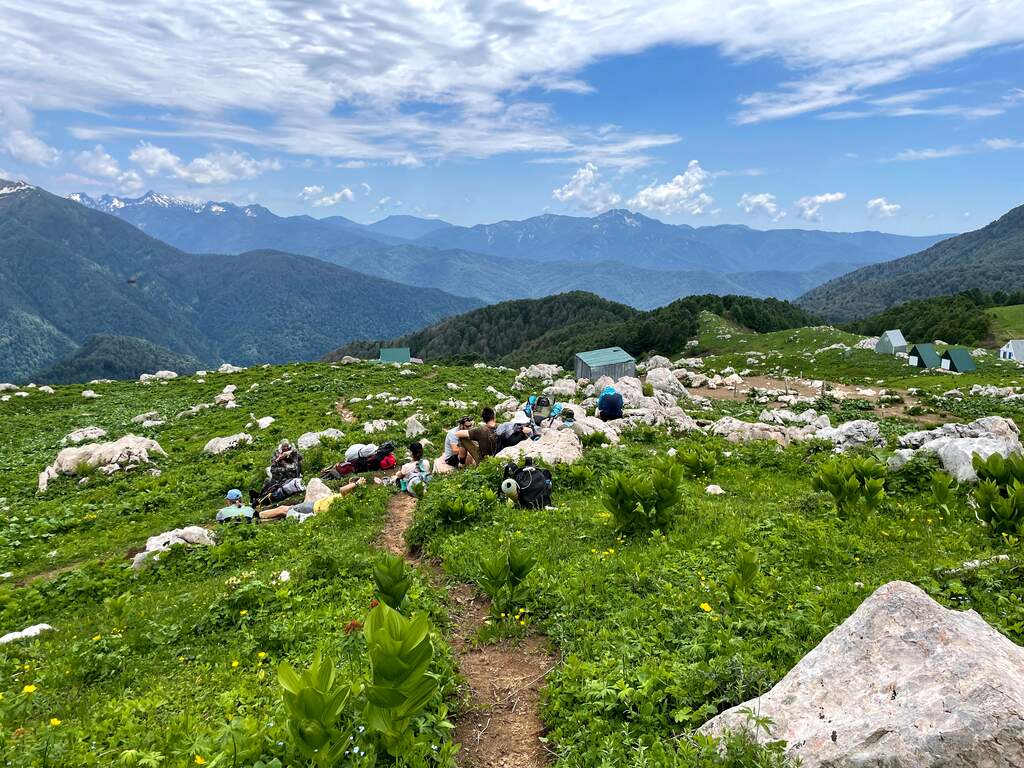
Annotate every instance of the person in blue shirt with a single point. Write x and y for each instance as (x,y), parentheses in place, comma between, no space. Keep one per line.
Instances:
(609,405)
(235,511)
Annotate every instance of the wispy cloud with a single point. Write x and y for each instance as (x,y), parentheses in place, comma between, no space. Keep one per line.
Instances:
(937,153)
(315,194)
(213,168)
(881,207)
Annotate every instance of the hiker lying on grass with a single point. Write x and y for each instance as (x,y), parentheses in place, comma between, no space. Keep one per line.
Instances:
(235,511)
(480,441)
(307,509)
(454,452)
(513,432)
(609,405)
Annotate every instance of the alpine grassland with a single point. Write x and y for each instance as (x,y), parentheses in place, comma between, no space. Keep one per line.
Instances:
(301,644)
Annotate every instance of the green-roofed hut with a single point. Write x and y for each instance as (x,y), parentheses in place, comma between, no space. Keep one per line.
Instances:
(959,360)
(924,356)
(613,361)
(395,355)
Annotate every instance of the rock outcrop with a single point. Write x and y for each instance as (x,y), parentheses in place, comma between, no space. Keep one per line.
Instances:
(222,444)
(123,454)
(191,536)
(902,683)
(84,434)
(555,446)
(309,440)
(956,444)
(664,380)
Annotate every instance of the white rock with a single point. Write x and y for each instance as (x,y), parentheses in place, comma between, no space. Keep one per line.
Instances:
(378,425)
(563,388)
(732,380)
(129,451)
(147,416)
(8,387)
(555,446)
(657,361)
(902,683)
(265,422)
(224,398)
(21,394)
(312,439)
(34,631)
(714,490)
(414,427)
(230,389)
(191,536)
(46,390)
(587,425)
(90,395)
(153,423)
(453,386)
(83,434)
(859,433)
(228,368)
(664,380)
(221,444)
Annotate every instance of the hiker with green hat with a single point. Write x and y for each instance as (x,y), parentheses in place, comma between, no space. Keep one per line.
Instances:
(609,405)
(235,511)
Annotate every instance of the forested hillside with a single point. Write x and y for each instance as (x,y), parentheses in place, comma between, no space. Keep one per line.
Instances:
(553,329)
(116,357)
(989,259)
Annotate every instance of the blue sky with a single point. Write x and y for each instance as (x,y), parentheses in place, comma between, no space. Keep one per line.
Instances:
(847,115)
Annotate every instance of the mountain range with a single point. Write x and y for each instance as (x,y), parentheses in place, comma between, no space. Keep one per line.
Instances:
(990,259)
(619,255)
(69,273)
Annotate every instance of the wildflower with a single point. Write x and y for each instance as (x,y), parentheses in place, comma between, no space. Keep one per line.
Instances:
(243,612)
(261,655)
(54,722)
(200,760)
(705,607)
(374,603)
(96,637)
(352,626)
(234,664)
(29,689)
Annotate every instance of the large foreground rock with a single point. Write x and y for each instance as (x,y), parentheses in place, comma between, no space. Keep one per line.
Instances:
(191,536)
(956,444)
(902,683)
(664,380)
(127,452)
(556,446)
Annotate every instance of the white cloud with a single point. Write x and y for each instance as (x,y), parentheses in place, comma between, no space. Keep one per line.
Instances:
(682,194)
(98,162)
(17,136)
(586,191)
(809,207)
(471,62)
(311,193)
(763,204)
(1000,144)
(367,189)
(931,153)
(334,198)
(879,206)
(212,168)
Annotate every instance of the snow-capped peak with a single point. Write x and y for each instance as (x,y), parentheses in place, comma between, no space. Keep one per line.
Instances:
(11,187)
(111,203)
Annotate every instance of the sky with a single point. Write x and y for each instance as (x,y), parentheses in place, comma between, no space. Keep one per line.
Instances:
(846,115)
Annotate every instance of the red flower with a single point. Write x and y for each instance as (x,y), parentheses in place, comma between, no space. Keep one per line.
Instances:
(353,626)
(374,603)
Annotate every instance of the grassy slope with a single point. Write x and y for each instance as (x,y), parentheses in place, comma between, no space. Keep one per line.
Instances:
(1007,323)
(643,661)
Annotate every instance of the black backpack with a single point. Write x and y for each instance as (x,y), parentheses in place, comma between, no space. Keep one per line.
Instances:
(534,484)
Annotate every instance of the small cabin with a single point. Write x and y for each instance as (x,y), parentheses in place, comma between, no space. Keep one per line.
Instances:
(958,360)
(395,355)
(923,356)
(1012,350)
(891,343)
(613,361)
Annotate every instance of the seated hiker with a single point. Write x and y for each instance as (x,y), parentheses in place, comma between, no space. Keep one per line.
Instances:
(454,454)
(609,405)
(415,472)
(286,465)
(235,512)
(513,432)
(307,509)
(479,441)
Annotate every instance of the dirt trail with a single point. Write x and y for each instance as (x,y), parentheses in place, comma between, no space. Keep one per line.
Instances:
(501,727)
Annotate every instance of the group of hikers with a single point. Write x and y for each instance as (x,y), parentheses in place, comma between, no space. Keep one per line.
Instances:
(465,444)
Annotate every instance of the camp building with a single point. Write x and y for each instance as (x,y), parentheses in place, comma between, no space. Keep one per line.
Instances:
(891,343)
(958,359)
(613,361)
(923,356)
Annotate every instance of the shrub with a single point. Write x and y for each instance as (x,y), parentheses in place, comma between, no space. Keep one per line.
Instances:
(1000,492)
(315,701)
(699,461)
(502,575)
(641,504)
(854,484)
(393,580)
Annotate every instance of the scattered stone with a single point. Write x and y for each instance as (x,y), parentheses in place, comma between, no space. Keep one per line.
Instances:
(956,444)
(90,395)
(84,434)
(221,444)
(312,439)
(47,390)
(123,454)
(34,631)
(414,427)
(563,388)
(194,410)
(974,565)
(147,416)
(663,379)
(229,368)
(859,433)
(378,425)
(265,422)
(903,683)
(158,376)
(657,361)
(191,536)
(714,490)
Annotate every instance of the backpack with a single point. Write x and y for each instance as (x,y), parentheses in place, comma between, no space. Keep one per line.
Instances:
(538,408)
(421,475)
(360,451)
(533,485)
(507,435)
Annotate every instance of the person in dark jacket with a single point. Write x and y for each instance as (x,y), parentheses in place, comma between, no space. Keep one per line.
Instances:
(609,405)
(286,464)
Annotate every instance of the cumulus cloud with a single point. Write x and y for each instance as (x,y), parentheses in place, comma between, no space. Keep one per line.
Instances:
(879,206)
(98,162)
(213,168)
(761,204)
(315,195)
(471,62)
(809,207)
(17,136)
(682,194)
(586,190)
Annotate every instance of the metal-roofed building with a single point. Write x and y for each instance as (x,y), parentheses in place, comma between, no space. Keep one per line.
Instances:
(923,356)
(1012,350)
(395,355)
(613,361)
(891,342)
(959,360)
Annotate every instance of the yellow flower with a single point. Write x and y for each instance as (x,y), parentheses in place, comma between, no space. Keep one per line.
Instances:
(243,612)
(97,637)
(200,760)
(705,607)
(261,655)
(29,689)
(234,664)
(54,722)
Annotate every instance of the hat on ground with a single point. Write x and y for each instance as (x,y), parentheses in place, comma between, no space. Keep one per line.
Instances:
(234,495)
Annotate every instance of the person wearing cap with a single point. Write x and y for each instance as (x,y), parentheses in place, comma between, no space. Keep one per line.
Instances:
(609,405)
(514,432)
(454,454)
(235,511)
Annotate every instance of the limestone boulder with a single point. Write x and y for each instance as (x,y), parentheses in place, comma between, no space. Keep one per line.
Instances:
(27,633)
(221,444)
(587,425)
(956,444)
(229,368)
(312,439)
(561,389)
(657,362)
(85,434)
(663,380)
(414,427)
(902,683)
(147,416)
(555,446)
(737,431)
(378,425)
(859,433)
(265,422)
(122,454)
(191,536)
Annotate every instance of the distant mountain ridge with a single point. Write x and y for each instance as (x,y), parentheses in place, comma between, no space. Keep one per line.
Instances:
(68,273)
(989,259)
(620,255)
